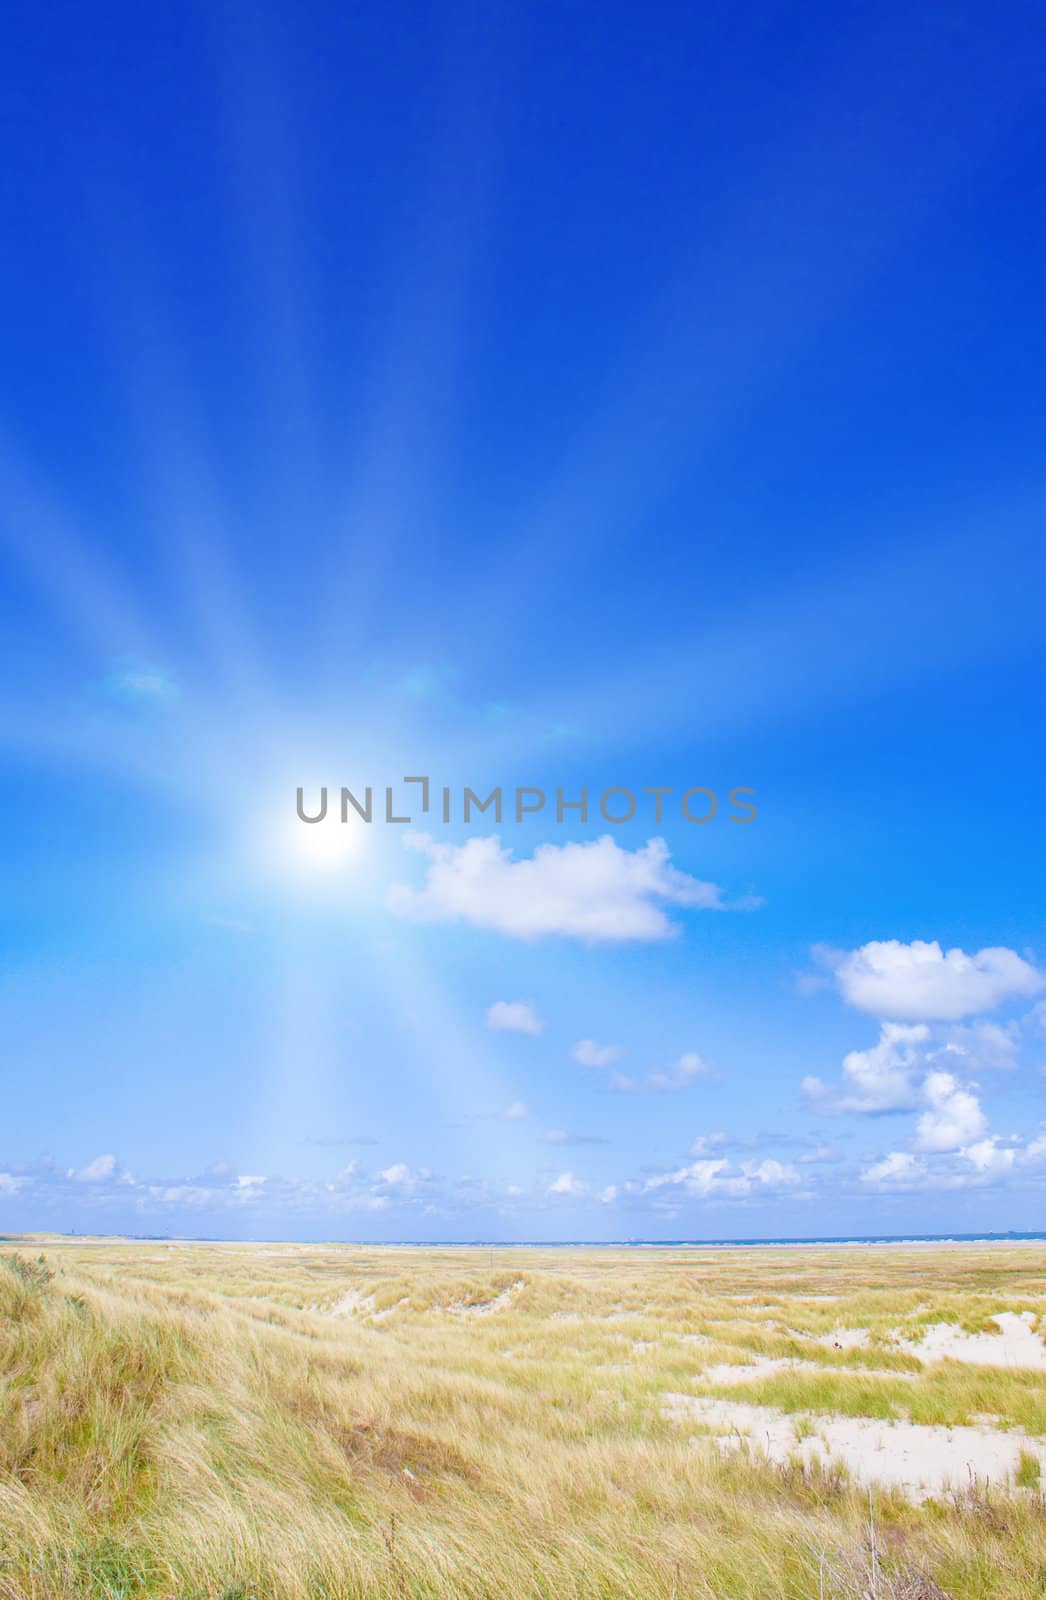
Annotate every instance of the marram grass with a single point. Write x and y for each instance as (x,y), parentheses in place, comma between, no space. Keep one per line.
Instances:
(192,1421)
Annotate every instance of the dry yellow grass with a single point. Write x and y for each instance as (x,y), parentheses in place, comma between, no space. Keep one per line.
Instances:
(192,1420)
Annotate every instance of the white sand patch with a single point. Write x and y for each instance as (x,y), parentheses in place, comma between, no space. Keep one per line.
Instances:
(352,1303)
(571,1317)
(842,1338)
(487,1308)
(1015,1345)
(920,1460)
(730,1373)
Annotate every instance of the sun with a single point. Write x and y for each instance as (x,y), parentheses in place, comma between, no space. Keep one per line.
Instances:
(284,849)
(322,847)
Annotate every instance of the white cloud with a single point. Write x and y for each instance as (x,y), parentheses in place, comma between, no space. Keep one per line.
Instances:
(98,1170)
(771,1174)
(567,1184)
(991,1157)
(597,892)
(954,1117)
(590,1054)
(104,1191)
(706,1143)
(704,1178)
(112,1199)
(516,1111)
(981,1163)
(677,1076)
(681,1072)
(879,1079)
(1036,1151)
(920,982)
(514,1016)
(973,1046)
(898,1170)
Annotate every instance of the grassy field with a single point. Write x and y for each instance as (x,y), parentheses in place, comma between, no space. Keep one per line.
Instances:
(327,1421)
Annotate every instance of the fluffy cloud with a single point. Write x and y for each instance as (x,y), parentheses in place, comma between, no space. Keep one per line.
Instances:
(514,1016)
(991,1157)
(880,1079)
(983,1163)
(567,1184)
(898,1170)
(953,1149)
(49,1195)
(597,892)
(396,1175)
(920,982)
(954,1117)
(516,1111)
(590,1054)
(705,1178)
(688,1067)
(97,1171)
(105,1191)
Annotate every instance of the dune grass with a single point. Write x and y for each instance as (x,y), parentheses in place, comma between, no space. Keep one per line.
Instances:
(192,1420)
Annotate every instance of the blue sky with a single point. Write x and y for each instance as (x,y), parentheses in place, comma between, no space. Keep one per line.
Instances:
(559,397)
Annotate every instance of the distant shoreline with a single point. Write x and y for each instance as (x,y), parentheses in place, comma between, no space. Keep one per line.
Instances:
(840,1242)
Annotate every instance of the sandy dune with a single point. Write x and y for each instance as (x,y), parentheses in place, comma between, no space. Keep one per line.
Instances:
(920,1460)
(1016,1345)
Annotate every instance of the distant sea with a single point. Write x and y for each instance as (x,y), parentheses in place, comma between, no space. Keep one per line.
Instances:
(597,1244)
(724,1244)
